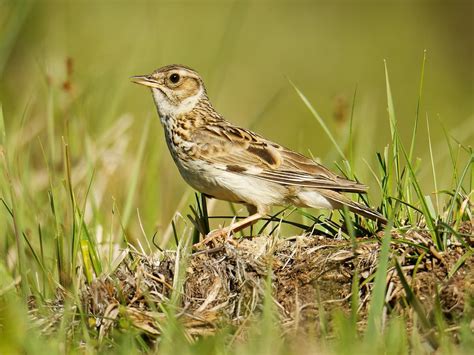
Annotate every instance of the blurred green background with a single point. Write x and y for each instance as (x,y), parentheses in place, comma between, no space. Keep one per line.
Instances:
(65,68)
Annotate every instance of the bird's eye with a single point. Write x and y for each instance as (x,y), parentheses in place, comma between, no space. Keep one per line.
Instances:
(174,78)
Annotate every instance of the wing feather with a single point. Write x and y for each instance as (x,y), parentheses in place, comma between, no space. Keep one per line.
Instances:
(244,152)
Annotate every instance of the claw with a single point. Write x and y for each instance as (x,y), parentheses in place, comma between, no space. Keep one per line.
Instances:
(227,231)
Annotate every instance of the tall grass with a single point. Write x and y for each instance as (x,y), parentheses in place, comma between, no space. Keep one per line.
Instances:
(54,243)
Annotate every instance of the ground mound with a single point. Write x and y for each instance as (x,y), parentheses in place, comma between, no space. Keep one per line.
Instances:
(226,282)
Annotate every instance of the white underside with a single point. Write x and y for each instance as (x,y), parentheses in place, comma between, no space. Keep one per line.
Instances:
(309,198)
(235,187)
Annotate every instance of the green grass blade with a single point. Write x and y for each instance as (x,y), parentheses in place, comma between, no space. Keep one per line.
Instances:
(406,184)
(51,125)
(425,208)
(33,251)
(271,103)
(435,180)
(12,30)
(355,301)
(3,133)
(374,325)
(426,211)
(230,34)
(460,262)
(418,108)
(9,186)
(351,134)
(72,200)
(41,243)
(86,259)
(416,304)
(319,119)
(450,149)
(90,253)
(394,134)
(467,167)
(430,207)
(136,170)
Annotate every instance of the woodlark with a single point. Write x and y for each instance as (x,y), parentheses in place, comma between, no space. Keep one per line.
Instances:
(231,163)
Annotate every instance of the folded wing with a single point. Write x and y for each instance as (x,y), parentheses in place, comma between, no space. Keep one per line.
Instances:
(244,152)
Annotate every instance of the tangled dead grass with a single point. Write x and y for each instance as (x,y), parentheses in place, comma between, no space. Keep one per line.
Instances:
(310,276)
(225,284)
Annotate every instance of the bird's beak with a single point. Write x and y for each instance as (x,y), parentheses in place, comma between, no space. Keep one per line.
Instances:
(145,80)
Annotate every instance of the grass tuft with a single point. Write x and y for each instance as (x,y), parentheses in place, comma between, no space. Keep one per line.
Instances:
(299,282)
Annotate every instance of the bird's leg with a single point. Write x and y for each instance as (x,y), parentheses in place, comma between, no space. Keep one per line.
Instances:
(251,209)
(234,227)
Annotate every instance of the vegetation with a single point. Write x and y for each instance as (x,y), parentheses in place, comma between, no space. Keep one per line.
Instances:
(83,270)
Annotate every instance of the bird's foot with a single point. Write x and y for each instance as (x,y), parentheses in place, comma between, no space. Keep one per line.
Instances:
(228,231)
(213,236)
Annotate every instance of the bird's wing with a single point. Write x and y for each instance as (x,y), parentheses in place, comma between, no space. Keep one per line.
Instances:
(236,149)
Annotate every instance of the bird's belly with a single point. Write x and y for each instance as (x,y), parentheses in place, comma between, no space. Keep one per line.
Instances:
(236,187)
(231,186)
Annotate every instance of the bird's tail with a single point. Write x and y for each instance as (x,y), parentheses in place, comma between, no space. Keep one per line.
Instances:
(338,200)
(367,212)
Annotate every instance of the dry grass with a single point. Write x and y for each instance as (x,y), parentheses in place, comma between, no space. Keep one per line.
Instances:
(224,284)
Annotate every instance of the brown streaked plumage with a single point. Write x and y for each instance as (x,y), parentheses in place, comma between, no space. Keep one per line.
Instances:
(231,163)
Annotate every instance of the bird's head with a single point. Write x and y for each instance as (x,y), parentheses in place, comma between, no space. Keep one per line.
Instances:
(176,89)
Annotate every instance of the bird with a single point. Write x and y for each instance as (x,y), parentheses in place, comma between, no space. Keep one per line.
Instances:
(227,162)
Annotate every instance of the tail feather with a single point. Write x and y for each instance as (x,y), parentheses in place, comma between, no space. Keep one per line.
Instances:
(338,201)
(367,212)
